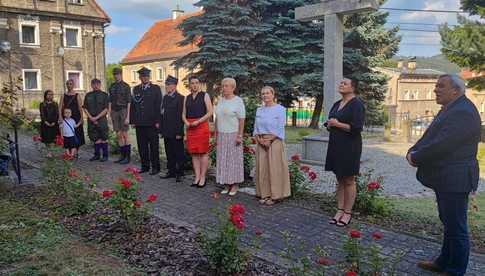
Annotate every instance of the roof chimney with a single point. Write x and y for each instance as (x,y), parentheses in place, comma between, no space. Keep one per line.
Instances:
(177,13)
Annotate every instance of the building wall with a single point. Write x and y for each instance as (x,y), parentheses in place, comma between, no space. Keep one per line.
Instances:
(89,58)
(131,77)
(59,6)
(416,97)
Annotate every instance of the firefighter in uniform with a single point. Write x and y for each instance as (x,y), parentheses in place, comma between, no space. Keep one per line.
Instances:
(145,118)
(172,129)
(96,107)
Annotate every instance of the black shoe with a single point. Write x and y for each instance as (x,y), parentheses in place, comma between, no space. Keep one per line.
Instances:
(125,161)
(155,172)
(103,159)
(144,170)
(121,159)
(167,176)
(178,179)
(94,158)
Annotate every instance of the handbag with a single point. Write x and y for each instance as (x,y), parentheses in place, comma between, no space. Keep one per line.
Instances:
(76,139)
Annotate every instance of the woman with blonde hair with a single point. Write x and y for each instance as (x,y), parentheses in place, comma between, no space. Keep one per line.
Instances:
(229,128)
(272,175)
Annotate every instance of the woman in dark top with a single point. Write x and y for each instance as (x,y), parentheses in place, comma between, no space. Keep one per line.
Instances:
(72,101)
(49,116)
(345,124)
(196,113)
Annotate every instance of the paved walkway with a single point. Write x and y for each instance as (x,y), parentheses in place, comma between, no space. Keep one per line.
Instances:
(192,207)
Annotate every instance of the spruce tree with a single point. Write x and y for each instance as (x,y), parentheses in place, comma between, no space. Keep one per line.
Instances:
(465,44)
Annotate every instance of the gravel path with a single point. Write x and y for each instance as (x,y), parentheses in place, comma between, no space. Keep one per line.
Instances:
(387,160)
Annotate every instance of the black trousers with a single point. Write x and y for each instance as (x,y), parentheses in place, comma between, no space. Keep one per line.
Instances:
(148,146)
(174,149)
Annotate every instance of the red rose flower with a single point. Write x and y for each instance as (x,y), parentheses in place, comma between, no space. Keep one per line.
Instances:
(67,156)
(373,186)
(355,234)
(238,221)
(237,209)
(324,261)
(377,235)
(295,157)
(252,151)
(351,273)
(258,232)
(125,182)
(305,168)
(132,170)
(137,203)
(253,141)
(108,194)
(73,173)
(312,175)
(152,198)
(37,138)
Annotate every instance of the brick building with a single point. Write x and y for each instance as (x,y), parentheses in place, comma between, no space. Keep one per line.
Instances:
(157,50)
(51,41)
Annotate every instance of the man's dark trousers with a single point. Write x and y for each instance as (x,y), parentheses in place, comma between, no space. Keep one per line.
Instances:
(149,147)
(174,148)
(452,208)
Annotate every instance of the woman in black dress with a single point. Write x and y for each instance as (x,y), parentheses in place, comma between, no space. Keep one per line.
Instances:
(49,115)
(345,124)
(72,101)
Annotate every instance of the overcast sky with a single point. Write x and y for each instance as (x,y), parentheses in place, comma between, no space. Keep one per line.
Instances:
(132,18)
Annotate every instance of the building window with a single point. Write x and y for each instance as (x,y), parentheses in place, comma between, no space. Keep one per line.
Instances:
(416,95)
(29,33)
(406,95)
(160,74)
(482,107)
(77,2)
(429,94)
(72,36)
(133,75)
(31,79)
(77,78)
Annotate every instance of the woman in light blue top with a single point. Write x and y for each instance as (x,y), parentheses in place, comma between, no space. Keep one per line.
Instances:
(272,175)
(230,116)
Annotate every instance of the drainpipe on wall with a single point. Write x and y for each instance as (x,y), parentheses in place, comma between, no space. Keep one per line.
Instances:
(104,54)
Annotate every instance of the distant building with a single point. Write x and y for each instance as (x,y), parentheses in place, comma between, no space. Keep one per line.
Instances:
(410,92)
(51,41)
(157,50)
(478,97)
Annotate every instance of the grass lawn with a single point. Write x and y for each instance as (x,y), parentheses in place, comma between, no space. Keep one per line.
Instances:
(294,135)
(31,243)
(426,208)
(481,156)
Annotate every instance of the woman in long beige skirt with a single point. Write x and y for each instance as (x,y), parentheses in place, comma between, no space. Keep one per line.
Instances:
(272,175)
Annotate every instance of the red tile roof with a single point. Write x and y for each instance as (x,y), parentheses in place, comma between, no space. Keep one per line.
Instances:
(161,42)
(466,74)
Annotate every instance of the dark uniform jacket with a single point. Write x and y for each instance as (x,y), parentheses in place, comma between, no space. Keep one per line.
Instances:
(171,123)
(446,155)
(145,105)
(95,102)
(119,95)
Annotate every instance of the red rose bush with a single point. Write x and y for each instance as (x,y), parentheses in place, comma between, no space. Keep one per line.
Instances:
(302,178)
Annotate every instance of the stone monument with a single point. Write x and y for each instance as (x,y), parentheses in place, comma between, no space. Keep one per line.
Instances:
(332,11)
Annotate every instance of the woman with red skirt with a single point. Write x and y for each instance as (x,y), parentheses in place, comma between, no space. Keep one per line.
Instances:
(196,114)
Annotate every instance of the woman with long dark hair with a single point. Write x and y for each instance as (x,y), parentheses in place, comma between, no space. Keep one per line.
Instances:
(72,100)
(345,123)
(49,117)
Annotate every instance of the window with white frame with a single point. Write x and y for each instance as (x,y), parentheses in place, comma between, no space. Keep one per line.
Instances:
(133,76)
(31,79)
(77,78)
(72,36)
(416,94)
(29,33)
(78,2)
(161,73)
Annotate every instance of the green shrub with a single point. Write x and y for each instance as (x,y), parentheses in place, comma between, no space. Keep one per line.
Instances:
(301,177)
(369,200)
(251,104)
(303,132)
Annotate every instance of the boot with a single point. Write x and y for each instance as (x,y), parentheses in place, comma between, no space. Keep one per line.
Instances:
(127,158)
(122,154)
(104,146)
(97,148)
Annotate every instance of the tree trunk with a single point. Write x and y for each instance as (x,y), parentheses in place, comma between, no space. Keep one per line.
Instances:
(316,112)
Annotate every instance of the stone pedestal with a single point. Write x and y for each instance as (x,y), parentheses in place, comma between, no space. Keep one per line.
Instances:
(314,149)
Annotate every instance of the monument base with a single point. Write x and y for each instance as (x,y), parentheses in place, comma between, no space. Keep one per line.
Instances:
(314,149)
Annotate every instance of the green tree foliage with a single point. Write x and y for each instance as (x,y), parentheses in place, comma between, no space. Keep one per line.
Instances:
(261,43)
(465,44)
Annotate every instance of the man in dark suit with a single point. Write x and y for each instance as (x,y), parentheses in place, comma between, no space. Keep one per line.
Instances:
(172,129)
(145,117)
(446,158)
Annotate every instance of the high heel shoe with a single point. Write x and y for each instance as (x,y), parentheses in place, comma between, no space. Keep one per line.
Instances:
(336,220)
(195,184)
(203,185)
(342,223)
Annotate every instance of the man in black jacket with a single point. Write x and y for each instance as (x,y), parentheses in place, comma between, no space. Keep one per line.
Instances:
(172,129)
(446,158)
(145,117)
